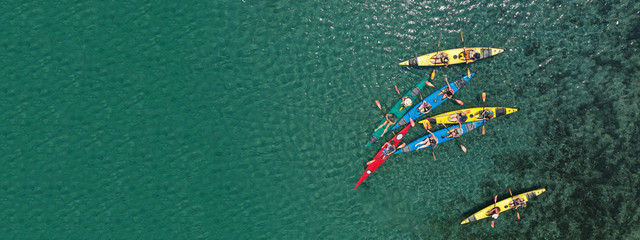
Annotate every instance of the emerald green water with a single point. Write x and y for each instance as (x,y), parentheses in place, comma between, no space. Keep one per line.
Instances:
(247,119)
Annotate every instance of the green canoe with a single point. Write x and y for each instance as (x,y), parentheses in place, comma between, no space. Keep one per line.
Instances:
(398,111)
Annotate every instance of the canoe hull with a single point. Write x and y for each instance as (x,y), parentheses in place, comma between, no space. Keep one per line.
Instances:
(471,113)
(442,136)
(380,158)
(503,205)
(398,110)
(455,57)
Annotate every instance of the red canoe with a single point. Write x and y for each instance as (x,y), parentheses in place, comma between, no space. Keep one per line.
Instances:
(380,158)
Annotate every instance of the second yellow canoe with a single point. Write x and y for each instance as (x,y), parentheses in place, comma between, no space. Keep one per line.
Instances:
(454,56)
(469,115)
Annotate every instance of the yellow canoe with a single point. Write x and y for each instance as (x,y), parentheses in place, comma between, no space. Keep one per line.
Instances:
(455,56)
(503,205)
(472,114)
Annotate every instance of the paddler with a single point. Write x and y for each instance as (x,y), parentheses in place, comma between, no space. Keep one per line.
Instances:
(517,202)
(458,117)
(440,58)
(484,114)
(424,107)
(387,150)
(454,132)
(494,212)
(389,120)
(446,93)
(429,141)
(471,55)
(406,102)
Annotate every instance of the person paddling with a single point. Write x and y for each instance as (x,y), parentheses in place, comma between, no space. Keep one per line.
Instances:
(455,132)
(471,55)
(406,102)
(459,117)
(447,92)
(517,202)
(424,107)
(440,58)
(390,119)
(387,150)
(429,141)
(484,114)
(494,212)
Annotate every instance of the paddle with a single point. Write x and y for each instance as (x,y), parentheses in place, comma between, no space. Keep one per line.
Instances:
(426,124)
(464,149)
(484,97)
(517,213)
(413,124)
(429,83)
(495,200)
(378,104)
(397,89)
(466,60)
(449,86)
(433,73)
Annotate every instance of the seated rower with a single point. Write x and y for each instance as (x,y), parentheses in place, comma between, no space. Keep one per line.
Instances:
(429,141)
(458,117)
(471,55)
(424,107)
(517,202)
(406,102)
(446,93)
(454,132)
(387,150)
(484,114)
(440,58)
(390,119)
(494,212)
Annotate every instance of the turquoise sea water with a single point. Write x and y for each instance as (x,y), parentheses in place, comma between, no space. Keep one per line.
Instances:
(247,119)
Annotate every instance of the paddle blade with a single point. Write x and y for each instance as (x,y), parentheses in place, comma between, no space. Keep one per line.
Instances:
(402,145)
(433,74)
(434,156)
(461,37)
(378,104)
(429,84)
(464,149)
(492,224)
(468,72)
(482,129)
(484,96)
(397,89)
(459,102)
(518,214)
(426,125)
(510,192)
(495,199)
(413,124)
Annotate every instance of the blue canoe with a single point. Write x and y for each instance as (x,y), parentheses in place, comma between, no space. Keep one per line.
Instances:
(441,135)
(434,100)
